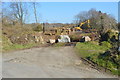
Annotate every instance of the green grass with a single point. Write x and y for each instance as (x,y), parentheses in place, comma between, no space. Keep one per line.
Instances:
(92,51)
(58,44)
(17,47)
(89,48)
(110,65)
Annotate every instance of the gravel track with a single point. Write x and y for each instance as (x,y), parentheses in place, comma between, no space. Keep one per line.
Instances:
(47,62)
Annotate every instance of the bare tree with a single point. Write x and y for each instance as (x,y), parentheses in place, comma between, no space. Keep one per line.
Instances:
(98,20)
(19,11)
(35,12)
(82,16)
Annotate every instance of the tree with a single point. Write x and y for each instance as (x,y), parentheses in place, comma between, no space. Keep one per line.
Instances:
(98,20)
(35,12)
(18,11)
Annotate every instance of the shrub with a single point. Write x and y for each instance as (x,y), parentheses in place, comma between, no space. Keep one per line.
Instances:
(38,28)
(109,35)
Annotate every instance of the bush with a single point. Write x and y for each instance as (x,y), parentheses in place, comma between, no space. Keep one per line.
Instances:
(38,28)
(106,44)
(109,36)
(107,61)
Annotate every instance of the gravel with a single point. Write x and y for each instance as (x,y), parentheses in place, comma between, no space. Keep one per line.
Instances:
(47,62)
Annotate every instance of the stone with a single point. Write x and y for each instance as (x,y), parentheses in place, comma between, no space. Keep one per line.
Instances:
(77,63)
(38,38)
(86,38)
(52,41)
(64,38)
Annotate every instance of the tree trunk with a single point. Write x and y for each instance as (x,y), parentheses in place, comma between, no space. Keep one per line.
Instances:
(35,13)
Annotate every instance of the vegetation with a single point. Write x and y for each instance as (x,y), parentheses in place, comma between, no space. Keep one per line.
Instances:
(7,45)
(38,28)
(16,34)
(110,60)
(89,48)
(106,44)
(15,37)
(100,54)
(58,45)
(110,36)
(98,20)
(17,47)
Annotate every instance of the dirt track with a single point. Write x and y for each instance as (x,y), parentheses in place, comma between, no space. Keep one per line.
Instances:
(47,62)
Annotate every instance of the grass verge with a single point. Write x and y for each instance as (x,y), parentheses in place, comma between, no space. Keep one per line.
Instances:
(89,48)
(92,51)
(58,45)
(17,47)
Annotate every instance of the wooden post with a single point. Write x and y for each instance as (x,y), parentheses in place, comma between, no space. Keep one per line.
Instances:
(43,27)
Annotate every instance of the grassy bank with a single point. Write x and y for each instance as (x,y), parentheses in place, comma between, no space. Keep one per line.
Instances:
(15,37)
(89,48)
(95,53)
(17,47)
(7,45)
